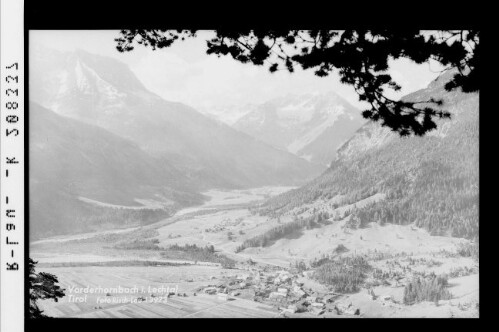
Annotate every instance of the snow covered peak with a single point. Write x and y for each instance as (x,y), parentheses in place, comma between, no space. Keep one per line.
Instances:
(89,82)
(310,125)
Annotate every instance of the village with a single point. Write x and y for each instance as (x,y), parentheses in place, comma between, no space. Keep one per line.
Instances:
(293,277)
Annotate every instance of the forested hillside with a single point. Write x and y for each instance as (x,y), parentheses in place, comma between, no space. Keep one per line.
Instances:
(431,181)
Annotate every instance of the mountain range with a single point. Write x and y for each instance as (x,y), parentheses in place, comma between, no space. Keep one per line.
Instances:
(104,92)
(106,151)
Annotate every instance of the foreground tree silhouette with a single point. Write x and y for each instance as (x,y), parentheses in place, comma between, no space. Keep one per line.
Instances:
(41,286)
(359,57)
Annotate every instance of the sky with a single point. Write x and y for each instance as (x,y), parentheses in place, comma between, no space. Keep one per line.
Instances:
(185,73)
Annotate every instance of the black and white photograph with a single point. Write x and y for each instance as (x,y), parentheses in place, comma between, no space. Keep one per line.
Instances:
(256,173)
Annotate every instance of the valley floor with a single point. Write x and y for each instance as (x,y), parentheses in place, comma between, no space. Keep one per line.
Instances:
(263,282)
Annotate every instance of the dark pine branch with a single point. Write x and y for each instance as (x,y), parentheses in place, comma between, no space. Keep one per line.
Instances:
(360,57)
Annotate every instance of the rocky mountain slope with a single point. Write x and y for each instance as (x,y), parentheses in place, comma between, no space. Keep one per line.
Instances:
(311,126)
